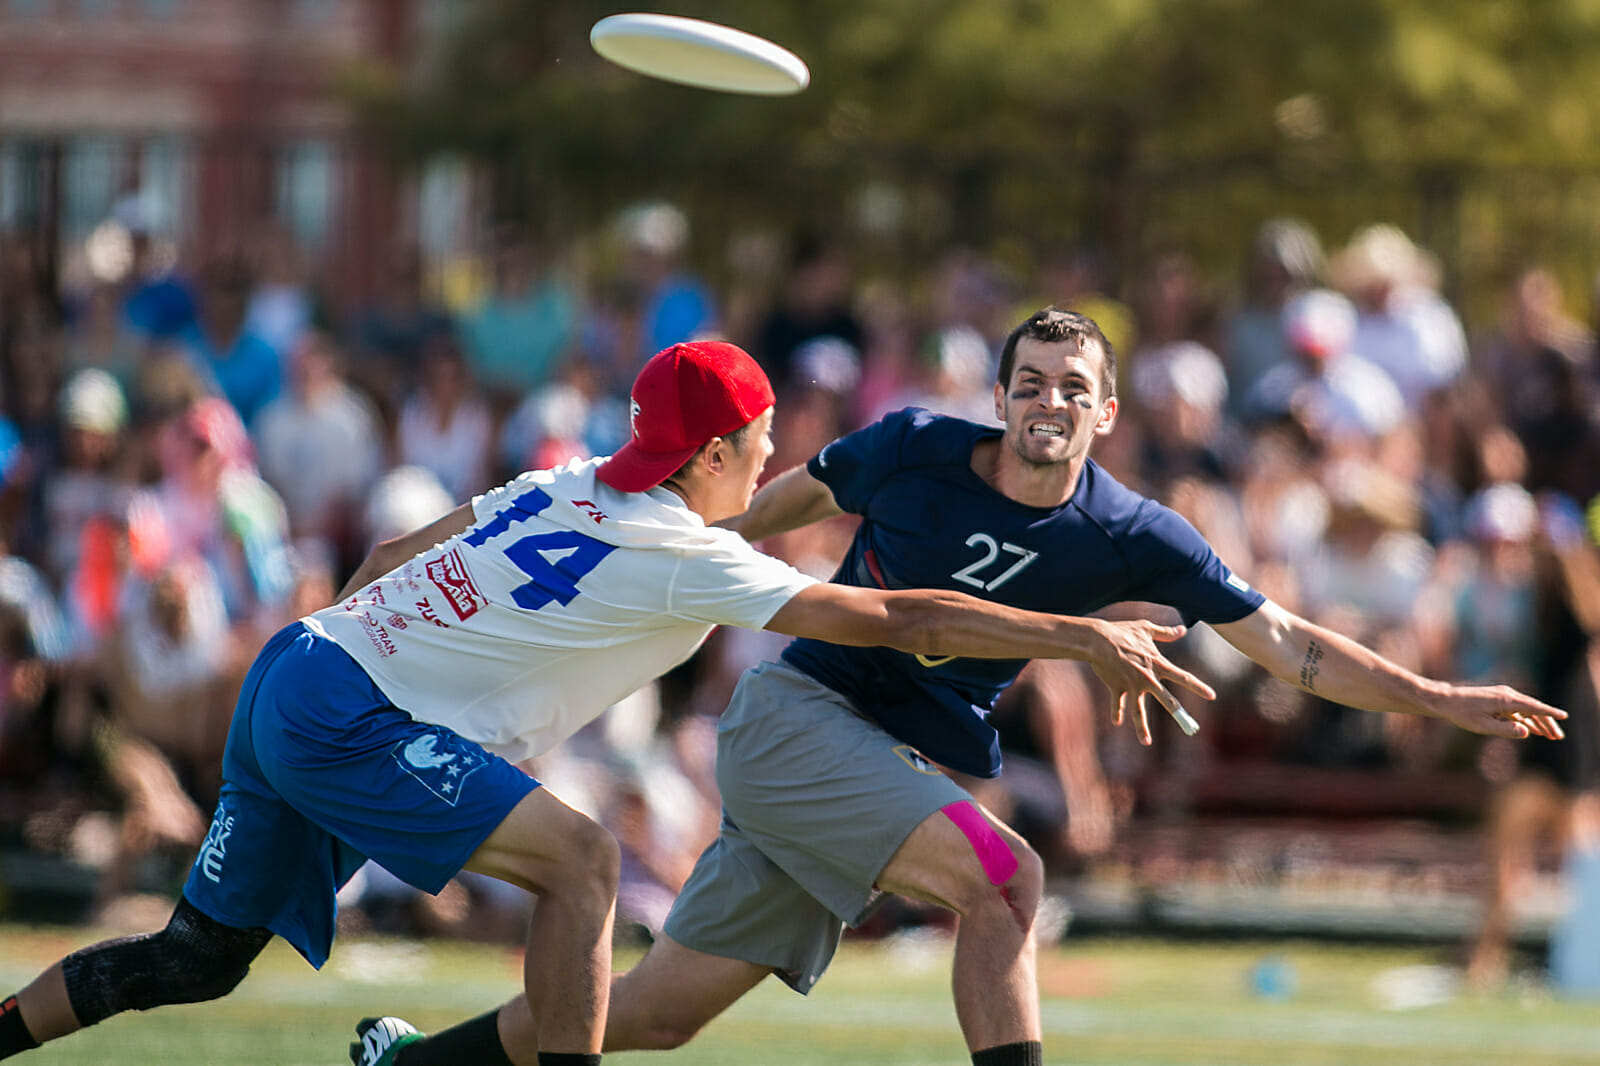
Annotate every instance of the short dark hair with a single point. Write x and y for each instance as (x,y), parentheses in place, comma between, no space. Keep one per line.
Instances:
(1053,325)
(734,437)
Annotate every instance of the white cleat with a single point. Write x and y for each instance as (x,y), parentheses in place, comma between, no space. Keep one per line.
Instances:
(379,1041)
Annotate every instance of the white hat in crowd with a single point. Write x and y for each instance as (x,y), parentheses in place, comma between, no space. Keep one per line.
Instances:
(1319,323)
(1502,512)
(92,400)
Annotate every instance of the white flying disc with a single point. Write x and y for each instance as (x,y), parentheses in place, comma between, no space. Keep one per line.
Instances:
(703,54)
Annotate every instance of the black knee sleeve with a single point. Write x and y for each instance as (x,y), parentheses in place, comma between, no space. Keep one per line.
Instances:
(195,958)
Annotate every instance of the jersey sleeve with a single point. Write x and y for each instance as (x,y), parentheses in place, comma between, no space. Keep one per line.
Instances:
(1172,564)
(730,583)
(854,465)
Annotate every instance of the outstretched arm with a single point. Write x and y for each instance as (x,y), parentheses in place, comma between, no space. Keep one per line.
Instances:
(792,499)
(1323,662)
(389,554)
(937,624)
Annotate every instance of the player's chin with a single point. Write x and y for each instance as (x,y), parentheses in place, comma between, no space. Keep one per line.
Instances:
(1047,452)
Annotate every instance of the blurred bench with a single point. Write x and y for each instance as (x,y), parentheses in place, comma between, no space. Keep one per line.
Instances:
(1282,789)
(44,888)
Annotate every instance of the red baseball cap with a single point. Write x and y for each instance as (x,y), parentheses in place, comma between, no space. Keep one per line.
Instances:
(684,396)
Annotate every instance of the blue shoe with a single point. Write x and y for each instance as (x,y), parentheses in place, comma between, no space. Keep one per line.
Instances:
(379,1041)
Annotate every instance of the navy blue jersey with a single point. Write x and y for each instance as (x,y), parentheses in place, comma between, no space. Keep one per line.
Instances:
(929,521)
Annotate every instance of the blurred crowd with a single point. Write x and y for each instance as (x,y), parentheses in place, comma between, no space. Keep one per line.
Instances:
(196,453)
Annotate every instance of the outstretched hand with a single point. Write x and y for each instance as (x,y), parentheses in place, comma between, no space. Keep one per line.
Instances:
(1133,668)
(1500,711)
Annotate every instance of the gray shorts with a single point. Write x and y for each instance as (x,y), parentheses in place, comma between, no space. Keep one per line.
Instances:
(816,800)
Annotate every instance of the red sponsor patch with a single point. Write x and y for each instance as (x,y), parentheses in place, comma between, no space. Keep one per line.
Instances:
(377,634)
(449,573)
(589,508)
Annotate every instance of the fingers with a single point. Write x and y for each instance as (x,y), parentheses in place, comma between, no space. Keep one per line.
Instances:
(1514,702)
(1130,702)
(1519,725)
(1163,697)
(1538,718)
(1533,706)
(1131,705)
(1167,634)
(1171,673)
(1544,727)
(1536,724)
(1502,711)
(1503,727)
(1186,723)
(1178,676)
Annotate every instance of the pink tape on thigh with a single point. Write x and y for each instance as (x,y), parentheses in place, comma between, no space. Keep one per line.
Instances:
(993,851)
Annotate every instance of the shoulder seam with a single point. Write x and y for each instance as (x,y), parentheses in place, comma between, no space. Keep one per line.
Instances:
(1116,545)
(678,556)
(906,462)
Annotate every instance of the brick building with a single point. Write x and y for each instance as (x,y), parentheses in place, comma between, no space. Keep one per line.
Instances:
(213,116)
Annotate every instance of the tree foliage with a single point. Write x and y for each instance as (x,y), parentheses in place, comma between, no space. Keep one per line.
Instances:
(1031,120)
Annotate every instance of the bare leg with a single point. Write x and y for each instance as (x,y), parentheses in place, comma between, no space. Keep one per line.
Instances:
(571,864)
(1526,810)
(45,1008)
(661,1003)
(1061,718)
(995,980)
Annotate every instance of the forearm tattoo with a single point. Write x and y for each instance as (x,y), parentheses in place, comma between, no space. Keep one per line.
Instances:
(1310,668)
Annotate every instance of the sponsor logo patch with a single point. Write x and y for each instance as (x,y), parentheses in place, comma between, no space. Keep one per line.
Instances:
(913,758)
(377,634)
(440,761)
(590,508)
(450,574)
(1238,582)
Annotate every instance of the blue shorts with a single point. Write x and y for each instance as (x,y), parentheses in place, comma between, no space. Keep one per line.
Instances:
(321,773)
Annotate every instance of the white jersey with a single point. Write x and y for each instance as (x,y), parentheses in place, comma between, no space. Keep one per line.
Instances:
(563,597)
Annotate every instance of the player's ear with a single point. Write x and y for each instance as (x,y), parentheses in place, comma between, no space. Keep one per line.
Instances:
(1107,417)
(715,454)
(1000,400)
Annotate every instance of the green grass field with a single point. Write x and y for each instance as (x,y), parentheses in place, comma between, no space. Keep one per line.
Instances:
(1111,1002)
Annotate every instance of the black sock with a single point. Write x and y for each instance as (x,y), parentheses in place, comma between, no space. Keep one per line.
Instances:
(14,1036)
(1026,1053)
(567,1058)
(477,1041)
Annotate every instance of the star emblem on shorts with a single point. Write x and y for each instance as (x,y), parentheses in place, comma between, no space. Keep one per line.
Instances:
(440,761)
